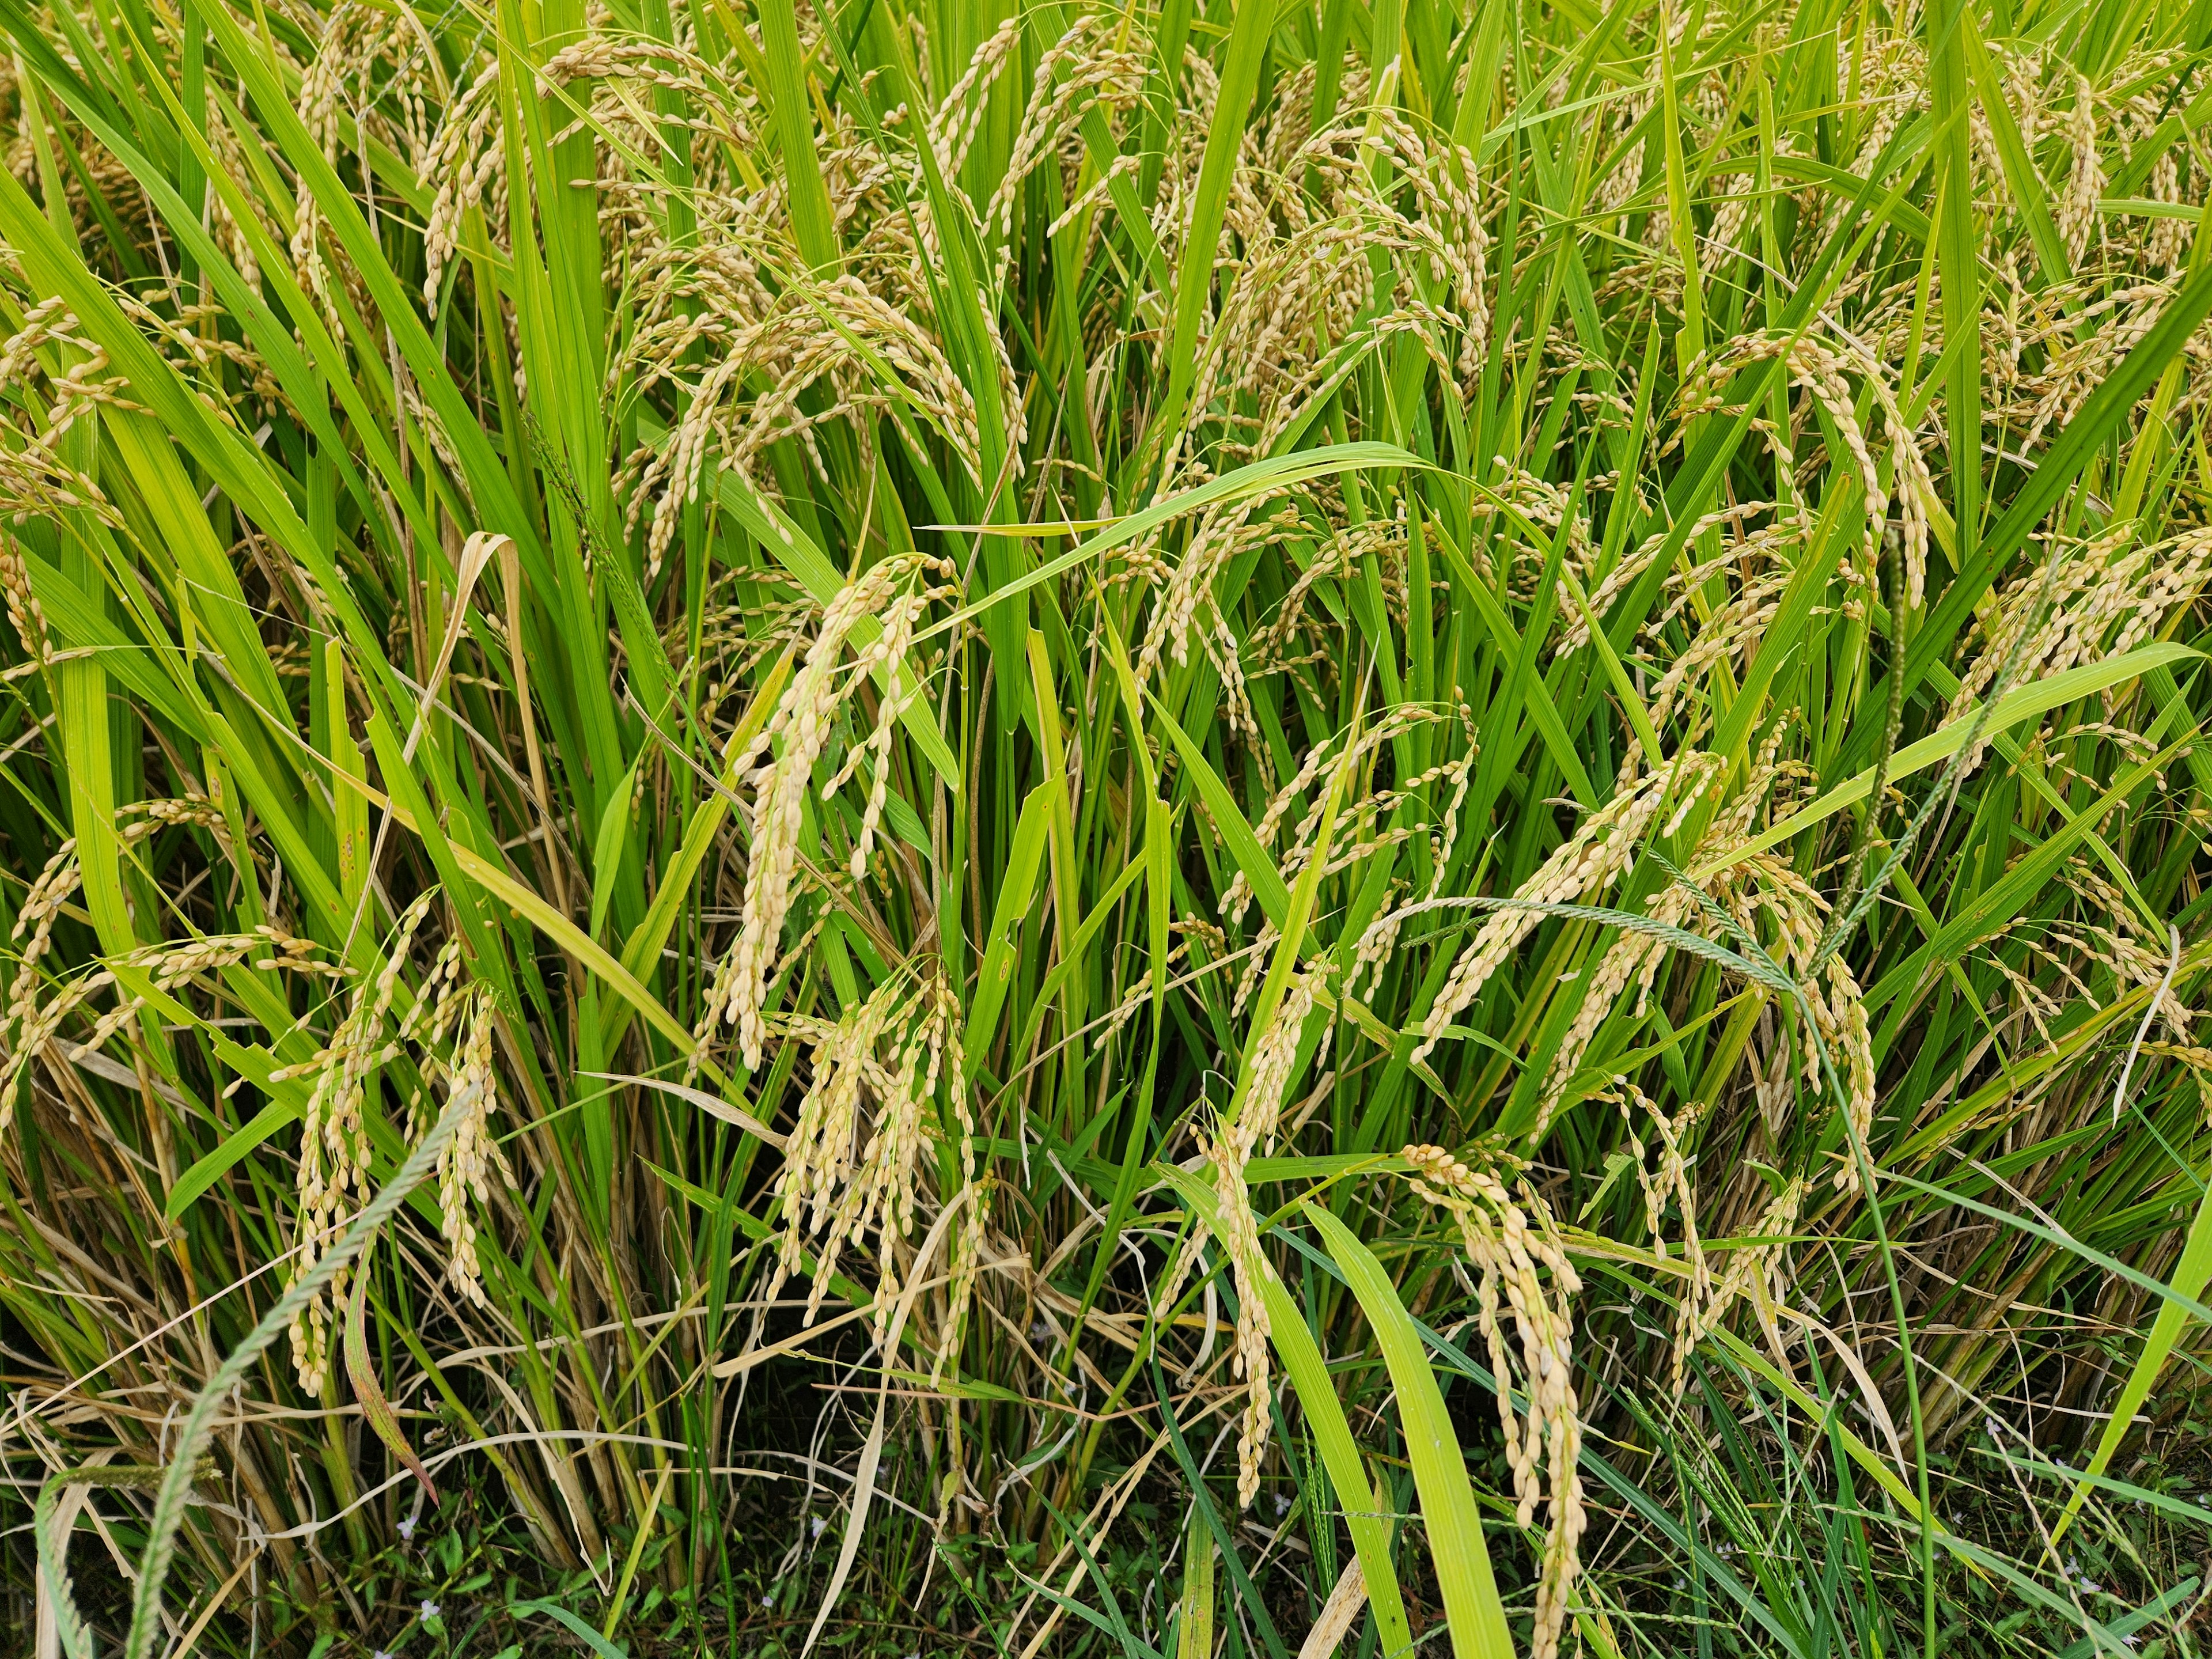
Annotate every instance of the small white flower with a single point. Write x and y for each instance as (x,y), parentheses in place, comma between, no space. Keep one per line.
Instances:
(818,1524)
(407,1530)
(769,1601)
(430,1610)
(1282,1506)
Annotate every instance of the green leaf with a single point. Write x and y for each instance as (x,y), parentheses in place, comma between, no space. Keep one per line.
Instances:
(2025,702)
(1267,882)
(1460,1557)
(2186,1284)
(607,848)
(1301,1353)
(575,1626)
(1018,882)
(1241,65)
(811,219)
(1275,472)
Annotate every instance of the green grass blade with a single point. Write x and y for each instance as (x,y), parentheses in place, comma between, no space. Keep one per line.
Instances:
(1471,1607)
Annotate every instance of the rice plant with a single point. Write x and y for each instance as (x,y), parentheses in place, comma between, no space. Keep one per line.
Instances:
(1151,830)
